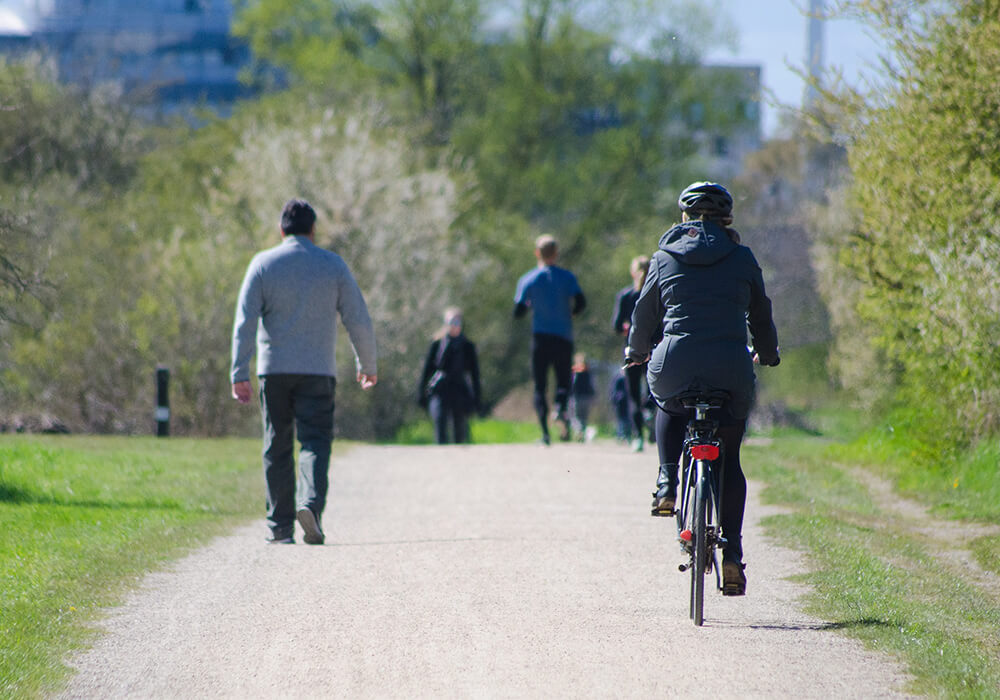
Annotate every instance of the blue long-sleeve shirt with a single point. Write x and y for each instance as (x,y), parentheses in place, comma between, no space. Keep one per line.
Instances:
(554,296)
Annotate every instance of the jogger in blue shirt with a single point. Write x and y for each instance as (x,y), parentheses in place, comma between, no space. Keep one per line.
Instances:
(554,296)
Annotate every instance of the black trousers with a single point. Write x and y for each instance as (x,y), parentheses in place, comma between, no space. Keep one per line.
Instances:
(556,352)
(302,405)
(449,412)
(671,427)
(636,398)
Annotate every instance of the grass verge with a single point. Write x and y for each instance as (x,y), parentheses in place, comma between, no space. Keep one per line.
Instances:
(483,432)
(83,518)
(876,578)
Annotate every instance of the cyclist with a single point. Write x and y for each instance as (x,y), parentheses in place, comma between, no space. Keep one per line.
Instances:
(706,289)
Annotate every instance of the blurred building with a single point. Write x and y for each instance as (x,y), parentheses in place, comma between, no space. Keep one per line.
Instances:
(727,126)
(168,53)
(715,108)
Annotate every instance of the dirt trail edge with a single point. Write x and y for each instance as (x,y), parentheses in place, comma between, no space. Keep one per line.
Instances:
(483,571)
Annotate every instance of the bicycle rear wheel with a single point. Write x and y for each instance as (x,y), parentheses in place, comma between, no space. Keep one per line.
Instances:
(700,545)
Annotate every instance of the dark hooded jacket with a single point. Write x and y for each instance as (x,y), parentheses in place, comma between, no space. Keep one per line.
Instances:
(706,289)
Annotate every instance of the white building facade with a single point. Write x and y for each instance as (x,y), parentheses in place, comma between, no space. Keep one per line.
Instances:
(171,52)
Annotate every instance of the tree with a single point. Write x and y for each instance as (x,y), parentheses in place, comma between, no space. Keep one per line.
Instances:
(65,155)
(425,46)
(560,124)
(434,159)
(926,177)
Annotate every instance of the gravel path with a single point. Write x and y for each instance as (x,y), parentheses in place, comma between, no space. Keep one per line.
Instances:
(485,571)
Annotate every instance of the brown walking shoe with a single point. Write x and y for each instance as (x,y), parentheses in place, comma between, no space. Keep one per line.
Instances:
(664,501)
(734,581)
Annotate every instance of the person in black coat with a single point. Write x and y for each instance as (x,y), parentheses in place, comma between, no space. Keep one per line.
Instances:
(622,322)
(449,385)
(706,289)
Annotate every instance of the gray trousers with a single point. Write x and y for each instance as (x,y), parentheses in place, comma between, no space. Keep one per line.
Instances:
(293,404)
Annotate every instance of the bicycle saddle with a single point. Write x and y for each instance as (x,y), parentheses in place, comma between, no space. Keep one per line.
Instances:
(713,397)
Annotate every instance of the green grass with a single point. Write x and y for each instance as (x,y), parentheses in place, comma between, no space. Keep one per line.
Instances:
(483,432)
(874,578)
(951,482)
(962,483)
(82,518)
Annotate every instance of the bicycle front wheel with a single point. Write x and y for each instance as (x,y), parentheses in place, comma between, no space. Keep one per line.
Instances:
(700,545)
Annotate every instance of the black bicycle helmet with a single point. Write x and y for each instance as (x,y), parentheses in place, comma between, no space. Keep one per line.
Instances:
(706,199)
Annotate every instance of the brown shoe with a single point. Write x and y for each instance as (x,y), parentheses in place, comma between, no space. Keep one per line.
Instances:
(734,581)
(663,505)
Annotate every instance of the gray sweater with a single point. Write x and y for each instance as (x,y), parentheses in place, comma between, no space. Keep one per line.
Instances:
(289,302)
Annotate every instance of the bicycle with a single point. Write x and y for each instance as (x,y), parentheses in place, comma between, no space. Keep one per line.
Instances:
(700,496)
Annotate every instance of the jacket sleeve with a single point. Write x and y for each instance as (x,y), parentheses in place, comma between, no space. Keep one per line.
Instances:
(248,311)
(617,319)
(428,371)
(472,365)
(647,315)
(763,334)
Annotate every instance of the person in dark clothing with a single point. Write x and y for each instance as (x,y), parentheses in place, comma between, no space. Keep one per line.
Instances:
(634,374)
(581,396)
(618,394)
(449,385)
(706,289)
(554,296)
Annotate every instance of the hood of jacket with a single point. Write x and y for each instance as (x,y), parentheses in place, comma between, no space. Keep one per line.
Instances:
(697,242)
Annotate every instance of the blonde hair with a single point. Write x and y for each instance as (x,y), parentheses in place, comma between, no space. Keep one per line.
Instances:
(640,263)
(547,246)
(449,313)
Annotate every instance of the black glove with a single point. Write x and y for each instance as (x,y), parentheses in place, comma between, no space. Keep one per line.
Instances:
(777,361)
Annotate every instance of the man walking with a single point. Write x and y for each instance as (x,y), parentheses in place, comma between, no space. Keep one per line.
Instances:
(288,304)
(554,297)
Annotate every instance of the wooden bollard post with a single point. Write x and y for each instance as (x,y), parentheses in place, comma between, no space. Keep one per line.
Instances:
(162,414)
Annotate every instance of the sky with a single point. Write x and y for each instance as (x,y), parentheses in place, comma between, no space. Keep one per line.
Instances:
(771,34)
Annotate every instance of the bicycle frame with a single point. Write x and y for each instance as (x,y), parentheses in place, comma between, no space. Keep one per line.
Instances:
(700,499)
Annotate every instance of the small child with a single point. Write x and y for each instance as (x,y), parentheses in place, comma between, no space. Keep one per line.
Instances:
(582,395)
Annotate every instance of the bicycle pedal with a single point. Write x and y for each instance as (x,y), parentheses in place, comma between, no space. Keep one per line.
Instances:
(662,512)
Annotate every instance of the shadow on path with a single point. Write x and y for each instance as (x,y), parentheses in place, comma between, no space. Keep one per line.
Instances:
(804,626)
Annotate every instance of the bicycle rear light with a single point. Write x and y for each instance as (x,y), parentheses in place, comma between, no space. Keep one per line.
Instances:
(685,535)
(709,452)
